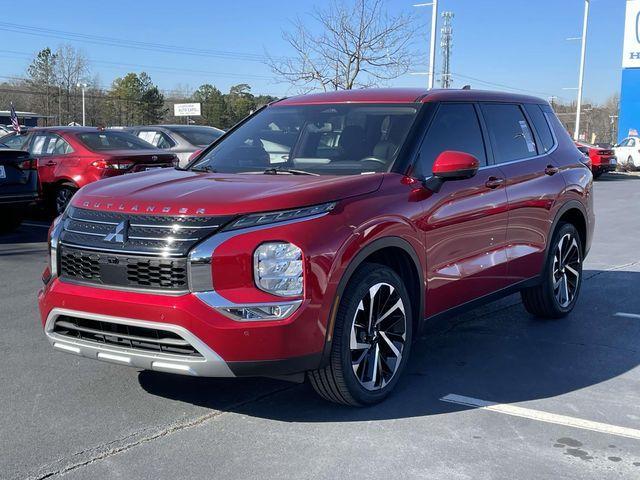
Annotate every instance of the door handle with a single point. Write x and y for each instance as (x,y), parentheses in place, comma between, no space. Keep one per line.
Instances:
(551,170)
(494,182)
(50,164)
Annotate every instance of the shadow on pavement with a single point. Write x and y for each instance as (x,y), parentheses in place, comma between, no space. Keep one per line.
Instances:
(503,355)
(617,176)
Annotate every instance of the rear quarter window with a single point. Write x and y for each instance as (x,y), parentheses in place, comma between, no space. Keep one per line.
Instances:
(541,125)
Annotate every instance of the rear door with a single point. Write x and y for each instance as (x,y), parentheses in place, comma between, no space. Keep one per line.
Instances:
(522,142)
(466,221)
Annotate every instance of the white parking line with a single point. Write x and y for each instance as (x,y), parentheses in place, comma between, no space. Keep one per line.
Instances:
(32,224)
(627,315)
(543,416)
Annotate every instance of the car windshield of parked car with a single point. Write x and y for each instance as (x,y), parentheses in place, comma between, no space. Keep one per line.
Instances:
(199,136)
(344,139)
(100,141)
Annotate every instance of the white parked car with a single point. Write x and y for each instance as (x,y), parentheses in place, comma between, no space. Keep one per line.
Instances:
(628,153)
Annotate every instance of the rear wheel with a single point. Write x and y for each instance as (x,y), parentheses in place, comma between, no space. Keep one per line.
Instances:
(63,195)
(371,339)
(556,296)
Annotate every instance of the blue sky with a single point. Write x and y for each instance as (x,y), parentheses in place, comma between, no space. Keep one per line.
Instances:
(519,44)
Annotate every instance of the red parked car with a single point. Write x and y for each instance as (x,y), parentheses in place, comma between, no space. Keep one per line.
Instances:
(318,237)
(602,159)
(69,158)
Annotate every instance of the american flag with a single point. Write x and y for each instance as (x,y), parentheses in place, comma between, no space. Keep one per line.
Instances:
(14,120)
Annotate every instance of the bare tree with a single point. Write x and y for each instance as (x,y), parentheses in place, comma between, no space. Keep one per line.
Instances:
(358,45)
(71,69)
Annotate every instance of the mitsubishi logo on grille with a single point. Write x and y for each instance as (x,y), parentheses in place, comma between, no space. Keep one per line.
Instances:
(119,233)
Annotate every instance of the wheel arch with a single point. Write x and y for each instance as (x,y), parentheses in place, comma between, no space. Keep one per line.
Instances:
(400,256)
(575,213)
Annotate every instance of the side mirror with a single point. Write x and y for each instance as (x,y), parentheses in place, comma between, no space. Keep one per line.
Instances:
(451,165)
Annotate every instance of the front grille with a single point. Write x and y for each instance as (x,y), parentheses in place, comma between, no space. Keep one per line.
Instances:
(169,236)
(137,251)
(127,336)
(104,268)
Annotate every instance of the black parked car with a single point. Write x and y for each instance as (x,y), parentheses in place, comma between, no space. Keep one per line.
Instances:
(18,186)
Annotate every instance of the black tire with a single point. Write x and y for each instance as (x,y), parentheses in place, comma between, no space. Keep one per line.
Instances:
(630,166)
(337,382)
(62,197)
(11,221)
(550,299)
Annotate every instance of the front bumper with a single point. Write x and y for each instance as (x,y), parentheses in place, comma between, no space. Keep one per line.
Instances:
(229,348)
(210,365)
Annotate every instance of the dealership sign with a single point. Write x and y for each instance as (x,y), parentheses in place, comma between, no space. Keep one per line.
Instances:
(186,109)
(631,49)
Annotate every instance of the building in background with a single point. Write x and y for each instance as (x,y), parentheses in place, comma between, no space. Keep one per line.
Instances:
(629,121)
(27,119)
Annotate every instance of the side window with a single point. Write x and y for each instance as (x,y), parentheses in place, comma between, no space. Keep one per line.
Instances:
(541,125)
(157,139)
(631,142)
(38,147)
(58,146)
(454,127)
(509,131)
(624,142)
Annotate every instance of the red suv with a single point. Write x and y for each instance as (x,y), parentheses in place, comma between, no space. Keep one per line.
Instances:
(71,157)
(319,235)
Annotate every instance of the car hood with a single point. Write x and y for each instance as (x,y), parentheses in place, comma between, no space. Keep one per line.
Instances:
(173,192)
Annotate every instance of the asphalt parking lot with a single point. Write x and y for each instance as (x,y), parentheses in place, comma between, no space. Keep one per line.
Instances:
(490,394)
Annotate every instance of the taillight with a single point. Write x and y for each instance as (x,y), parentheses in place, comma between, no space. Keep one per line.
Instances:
(111,165)
(28,165)
(195,154)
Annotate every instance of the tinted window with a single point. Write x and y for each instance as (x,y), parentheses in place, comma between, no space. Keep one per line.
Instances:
(199,136)
(455,127)
(39,145)
(509,131)
(541,125)
(113,141)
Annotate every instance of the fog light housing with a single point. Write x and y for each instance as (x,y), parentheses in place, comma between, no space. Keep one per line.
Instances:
(248,313)
(277,269)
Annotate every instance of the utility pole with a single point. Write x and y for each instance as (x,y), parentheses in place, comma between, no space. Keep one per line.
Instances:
(432,41)
(447,45)
(612,118)
(84,117)
(583,53)
(552,101)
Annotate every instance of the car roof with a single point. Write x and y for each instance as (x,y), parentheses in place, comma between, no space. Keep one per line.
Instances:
(406,95)
(68,129)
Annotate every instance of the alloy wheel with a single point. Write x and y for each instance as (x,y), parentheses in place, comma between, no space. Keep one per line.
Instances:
(63,197)
(378,336)
(566,270)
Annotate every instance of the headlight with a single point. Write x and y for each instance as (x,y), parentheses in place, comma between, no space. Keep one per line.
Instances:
(257,219)
(277,268)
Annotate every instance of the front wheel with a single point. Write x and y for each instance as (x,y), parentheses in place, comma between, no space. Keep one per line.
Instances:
(371,339)
(556,296)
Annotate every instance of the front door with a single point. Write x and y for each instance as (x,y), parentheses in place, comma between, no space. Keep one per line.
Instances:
(465,222)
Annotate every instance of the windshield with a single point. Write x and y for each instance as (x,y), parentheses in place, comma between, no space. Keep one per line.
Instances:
(198,136)
(345,139)
(100,141)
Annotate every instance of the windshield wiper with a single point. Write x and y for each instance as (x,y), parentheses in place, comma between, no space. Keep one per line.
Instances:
(207,169)
(290,171)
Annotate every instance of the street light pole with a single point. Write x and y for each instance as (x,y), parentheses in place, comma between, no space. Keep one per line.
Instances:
(583,53)
(432,41)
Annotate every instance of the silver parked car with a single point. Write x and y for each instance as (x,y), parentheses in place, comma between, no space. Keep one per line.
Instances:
(182,140)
